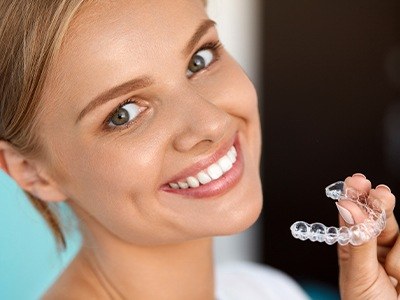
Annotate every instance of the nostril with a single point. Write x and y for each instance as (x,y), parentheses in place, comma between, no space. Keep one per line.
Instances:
(205,125)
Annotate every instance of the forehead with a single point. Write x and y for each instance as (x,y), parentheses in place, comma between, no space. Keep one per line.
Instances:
(146,16)
(107,28)
(109,42)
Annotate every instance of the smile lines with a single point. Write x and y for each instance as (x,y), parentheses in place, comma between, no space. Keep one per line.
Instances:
(213,172)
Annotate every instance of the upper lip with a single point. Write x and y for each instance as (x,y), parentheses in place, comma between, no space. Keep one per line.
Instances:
(194,169)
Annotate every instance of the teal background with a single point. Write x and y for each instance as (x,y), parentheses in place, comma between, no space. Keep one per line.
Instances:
(29,258)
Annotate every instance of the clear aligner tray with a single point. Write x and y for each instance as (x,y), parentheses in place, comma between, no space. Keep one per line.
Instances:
(357,234)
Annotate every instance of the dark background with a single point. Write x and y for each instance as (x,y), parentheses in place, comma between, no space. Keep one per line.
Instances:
(330,96)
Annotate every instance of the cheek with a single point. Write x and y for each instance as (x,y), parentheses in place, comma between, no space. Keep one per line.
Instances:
(230,89)
(117,167)
(114,184)
(237,89)
(237,96)
(110,168)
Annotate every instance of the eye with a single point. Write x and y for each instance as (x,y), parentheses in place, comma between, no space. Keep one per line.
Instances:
(199,61)
(124,114)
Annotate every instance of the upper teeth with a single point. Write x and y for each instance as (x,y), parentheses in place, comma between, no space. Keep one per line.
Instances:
(213,172)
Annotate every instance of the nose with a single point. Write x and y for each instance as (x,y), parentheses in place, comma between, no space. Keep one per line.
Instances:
(202,124)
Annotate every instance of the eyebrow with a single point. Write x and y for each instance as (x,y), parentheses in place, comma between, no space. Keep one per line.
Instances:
(120,90)
(145,81)
(201,30)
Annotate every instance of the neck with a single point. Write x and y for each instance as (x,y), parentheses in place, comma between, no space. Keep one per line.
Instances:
(178,271)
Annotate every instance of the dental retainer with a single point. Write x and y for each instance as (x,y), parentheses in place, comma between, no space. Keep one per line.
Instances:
(372,226)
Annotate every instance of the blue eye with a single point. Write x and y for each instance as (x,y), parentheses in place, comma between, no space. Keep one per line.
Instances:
(124,114)
(199,61)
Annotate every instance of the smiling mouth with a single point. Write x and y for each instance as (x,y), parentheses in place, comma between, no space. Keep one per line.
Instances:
(209,174)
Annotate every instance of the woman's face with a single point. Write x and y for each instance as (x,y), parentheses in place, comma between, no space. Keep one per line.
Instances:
(141,100)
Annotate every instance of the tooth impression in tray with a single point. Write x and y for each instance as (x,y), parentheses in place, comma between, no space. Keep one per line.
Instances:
(357,234)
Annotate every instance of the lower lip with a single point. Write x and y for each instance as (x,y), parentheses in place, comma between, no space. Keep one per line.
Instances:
(215,187)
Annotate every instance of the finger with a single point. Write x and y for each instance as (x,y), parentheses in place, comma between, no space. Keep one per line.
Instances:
(357,261)
(389,235)
(358,182)
(393,280)
(392,264)
(350,212)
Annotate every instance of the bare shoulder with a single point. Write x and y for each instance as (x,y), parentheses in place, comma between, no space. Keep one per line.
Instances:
(76,282)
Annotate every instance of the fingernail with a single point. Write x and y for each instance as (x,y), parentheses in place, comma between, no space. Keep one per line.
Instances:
(384,186)
(346,214)
(359,175)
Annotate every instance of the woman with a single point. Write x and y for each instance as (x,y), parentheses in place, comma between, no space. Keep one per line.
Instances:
(133,113)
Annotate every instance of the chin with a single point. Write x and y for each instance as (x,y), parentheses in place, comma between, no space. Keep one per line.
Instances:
(243,218)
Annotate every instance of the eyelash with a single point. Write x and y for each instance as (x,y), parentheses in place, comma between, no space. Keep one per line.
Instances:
(214,46)
(120,127)
(211,46)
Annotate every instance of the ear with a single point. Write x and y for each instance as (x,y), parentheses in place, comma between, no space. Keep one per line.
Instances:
(28,175)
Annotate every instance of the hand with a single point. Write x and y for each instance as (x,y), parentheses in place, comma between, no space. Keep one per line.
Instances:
(372,270)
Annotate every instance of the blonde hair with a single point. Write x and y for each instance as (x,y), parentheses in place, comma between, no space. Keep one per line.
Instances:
(31,34)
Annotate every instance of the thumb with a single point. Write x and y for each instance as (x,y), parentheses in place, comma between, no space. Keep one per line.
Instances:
(357,263)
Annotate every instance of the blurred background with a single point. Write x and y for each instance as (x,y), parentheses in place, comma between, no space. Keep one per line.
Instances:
(330,90)
(328,77)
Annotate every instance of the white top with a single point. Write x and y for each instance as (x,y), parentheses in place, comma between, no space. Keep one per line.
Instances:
(245,280)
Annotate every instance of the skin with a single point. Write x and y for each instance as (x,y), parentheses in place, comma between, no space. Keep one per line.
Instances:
(137,236)
(141,242)
(372,270)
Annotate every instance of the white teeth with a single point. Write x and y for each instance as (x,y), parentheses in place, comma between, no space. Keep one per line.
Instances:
(174,185)
(214,171)
(231,156)
(233,149)
(203,177)
(225,163)
(183,185)
(193,182)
